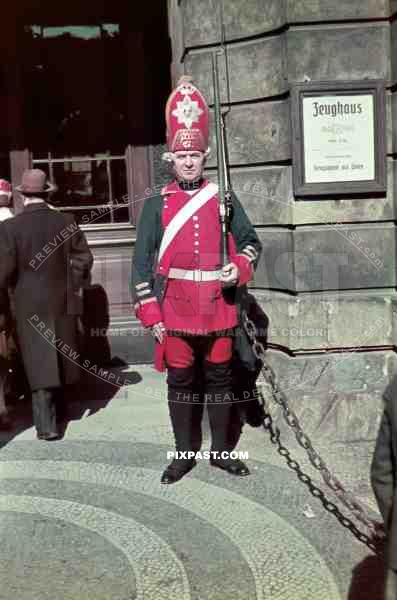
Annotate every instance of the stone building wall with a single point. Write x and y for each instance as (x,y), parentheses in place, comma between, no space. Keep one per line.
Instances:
(322,293)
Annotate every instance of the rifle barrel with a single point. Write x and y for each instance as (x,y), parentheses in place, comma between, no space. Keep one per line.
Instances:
(221,159)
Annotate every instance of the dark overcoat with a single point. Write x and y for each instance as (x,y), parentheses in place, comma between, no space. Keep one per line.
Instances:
(44,258)
(384,471)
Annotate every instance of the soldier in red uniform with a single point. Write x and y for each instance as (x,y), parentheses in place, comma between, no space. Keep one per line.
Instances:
(183,296)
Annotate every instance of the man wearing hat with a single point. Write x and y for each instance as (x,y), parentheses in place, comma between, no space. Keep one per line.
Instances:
(181,296)
(44,259)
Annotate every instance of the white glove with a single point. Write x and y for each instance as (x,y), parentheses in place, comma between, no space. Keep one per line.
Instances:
(158,331)
(229,275)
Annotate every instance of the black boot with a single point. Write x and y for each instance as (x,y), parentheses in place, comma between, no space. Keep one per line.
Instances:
(220,414)
(44,414)
(181,420)
(180,406)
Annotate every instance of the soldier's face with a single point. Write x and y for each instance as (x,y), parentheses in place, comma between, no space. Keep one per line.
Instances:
(189,165)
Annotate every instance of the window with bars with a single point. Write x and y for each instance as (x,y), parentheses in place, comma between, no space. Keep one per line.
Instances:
(94,188)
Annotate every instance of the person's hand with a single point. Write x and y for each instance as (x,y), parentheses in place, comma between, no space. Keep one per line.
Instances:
(229,275)
(158,331)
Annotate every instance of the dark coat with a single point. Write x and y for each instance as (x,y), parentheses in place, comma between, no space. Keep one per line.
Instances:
(44,259)
(384,471)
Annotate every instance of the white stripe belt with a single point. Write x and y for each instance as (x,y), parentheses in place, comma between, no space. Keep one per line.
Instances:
(193,274)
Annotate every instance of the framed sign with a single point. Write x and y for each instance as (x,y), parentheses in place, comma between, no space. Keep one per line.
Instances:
(339,138)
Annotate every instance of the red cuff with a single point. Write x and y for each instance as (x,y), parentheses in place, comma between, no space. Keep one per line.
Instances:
(149,313)
(245,268)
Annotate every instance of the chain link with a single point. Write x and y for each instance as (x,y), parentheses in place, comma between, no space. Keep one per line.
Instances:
(375,537)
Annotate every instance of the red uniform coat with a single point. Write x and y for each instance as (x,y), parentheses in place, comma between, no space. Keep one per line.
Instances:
(190,307)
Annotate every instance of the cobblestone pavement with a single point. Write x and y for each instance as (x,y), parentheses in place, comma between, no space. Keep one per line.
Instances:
(87,518)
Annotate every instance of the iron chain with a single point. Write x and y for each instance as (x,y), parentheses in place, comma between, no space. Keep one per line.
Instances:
(344,496)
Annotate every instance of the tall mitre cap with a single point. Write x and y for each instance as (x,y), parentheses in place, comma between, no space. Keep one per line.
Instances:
(187,118)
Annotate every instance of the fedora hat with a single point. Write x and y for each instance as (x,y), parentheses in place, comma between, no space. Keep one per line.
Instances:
(34,181)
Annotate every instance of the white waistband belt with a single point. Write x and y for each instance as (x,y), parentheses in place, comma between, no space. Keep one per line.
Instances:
(193,274)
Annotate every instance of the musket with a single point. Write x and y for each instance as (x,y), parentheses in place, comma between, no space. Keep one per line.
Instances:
(225,198)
